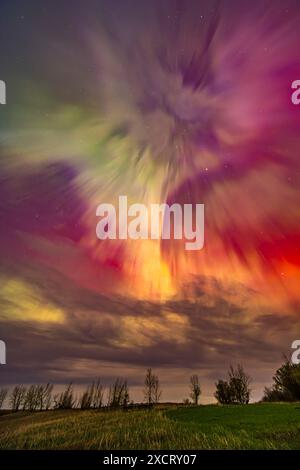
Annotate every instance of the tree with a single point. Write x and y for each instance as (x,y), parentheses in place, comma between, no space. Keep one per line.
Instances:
(31,400)
(45,396)
(186,401)
(236,390)
(92,397)
(118,393)
(98,395)
(239,383)
(152,391)
(17,397)
(157,390)
(271,394)
(195,388)
(286,386)
(65,400)
(223,393)
(3,394)
(86,399)
(149,385)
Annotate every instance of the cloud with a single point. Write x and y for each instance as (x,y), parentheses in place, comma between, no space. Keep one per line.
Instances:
(204,334)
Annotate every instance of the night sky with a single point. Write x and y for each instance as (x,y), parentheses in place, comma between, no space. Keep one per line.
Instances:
(162,101)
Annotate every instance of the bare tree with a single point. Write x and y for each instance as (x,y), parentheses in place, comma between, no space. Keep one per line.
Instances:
(87,398)
(157,390)
(92,397)
(44,396)
(118,393)
(152,391)
(31,400)
(3,394)
(195,388)
(98,395)
(46,399)
(148,390)
(17,397)
(65,400)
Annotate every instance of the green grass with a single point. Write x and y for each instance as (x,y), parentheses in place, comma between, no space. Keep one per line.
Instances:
(259,426)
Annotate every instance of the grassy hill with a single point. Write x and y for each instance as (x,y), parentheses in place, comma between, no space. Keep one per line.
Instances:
(258,426)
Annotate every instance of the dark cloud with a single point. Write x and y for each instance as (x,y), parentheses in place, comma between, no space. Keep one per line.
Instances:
(216,332)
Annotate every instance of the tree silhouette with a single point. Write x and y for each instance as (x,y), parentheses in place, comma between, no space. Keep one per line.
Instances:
(195,388)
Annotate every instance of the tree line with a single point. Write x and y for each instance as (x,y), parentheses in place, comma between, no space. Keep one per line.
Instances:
(235,390)
(41,397)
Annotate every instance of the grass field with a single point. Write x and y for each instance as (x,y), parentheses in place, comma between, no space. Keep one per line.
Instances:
(258,426)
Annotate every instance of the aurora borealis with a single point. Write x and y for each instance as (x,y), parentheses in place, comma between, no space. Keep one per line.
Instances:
(164,102)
